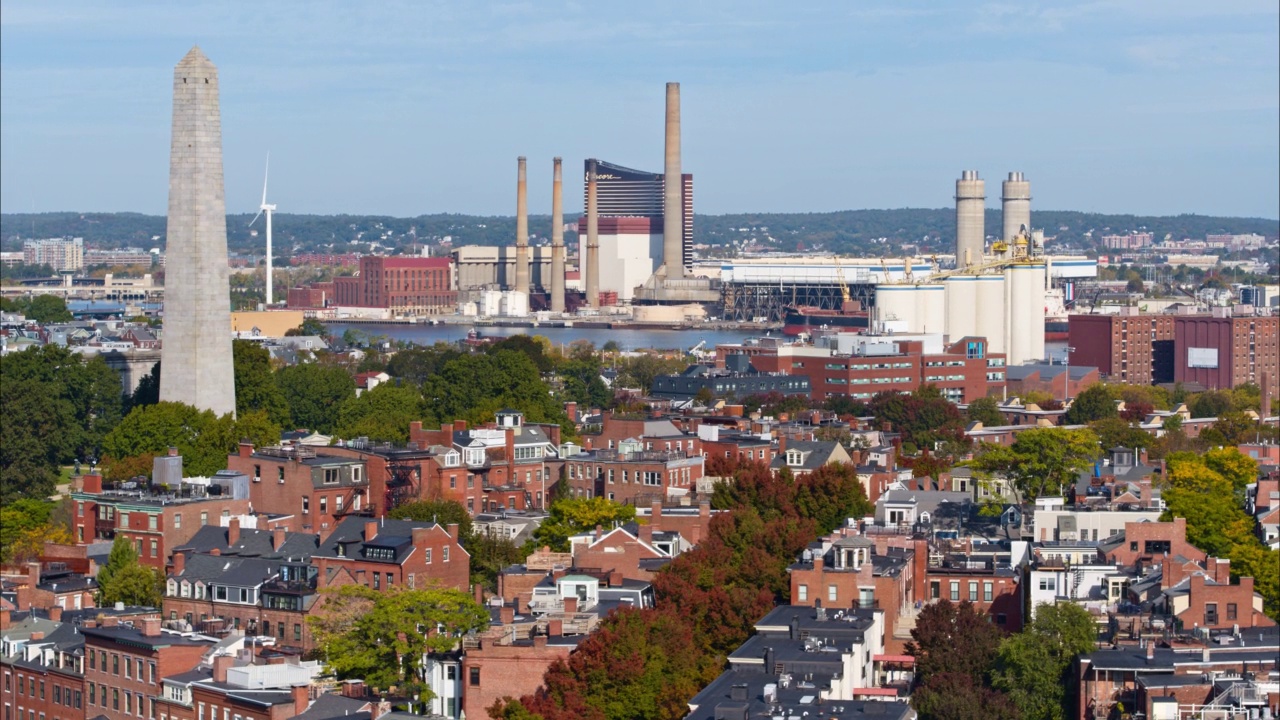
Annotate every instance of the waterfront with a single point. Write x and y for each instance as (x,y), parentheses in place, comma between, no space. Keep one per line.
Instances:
(626,338)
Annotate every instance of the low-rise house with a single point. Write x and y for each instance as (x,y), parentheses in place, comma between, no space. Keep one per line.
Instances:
(384,553)
(803,457)
(42,664)
(631,474)
(125,666)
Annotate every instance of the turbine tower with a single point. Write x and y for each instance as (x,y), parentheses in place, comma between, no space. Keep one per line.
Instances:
(268,209)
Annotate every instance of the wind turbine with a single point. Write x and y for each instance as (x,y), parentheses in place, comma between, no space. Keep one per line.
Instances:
(268,209)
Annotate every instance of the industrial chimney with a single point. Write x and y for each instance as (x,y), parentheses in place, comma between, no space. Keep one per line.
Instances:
(522,229)
(971,205)
(672,184)
(557,241)
(593,238)
(1016,206)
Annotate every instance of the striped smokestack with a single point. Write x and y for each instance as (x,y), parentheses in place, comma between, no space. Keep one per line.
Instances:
(593,238)
(522,228)
(672,183)
(557,240)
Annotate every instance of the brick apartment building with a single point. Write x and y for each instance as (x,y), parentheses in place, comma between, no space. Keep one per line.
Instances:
(493,670)
(632,475)
(1223,352)
(312,490)
(1131,347)
(124,666)
(964,371)
(48,681)
(383,553)
(218,693)
(155,522)
(313,296)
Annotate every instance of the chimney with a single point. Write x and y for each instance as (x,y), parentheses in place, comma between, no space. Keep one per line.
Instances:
(507,614)
(37,635)
(478,591)
(557,241)
(704,509)
(33,574)
(277,538)
(91,483)
(221,664)
(233,531)
(246,448)
(672,190)
(571,409)
(301,699)
(539,641)
(370,530)
(5,619)
(511,452)
(522,228)
(615,578)
(420,536)
(794,627)
(645,534)
(453,530)
(655,510)
(353,688)
(571,605)
(599,532)
(459,425)
(592,268)
(817,561)
(555,628)
(151,627)
(173,451)
(55,613)
(1151,652)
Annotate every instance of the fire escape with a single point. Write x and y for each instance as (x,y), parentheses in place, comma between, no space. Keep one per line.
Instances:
(402,483)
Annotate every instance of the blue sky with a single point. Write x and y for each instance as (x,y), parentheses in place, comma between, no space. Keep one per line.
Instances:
(404,108)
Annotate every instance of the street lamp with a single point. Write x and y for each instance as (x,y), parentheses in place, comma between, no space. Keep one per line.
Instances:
(1066,384)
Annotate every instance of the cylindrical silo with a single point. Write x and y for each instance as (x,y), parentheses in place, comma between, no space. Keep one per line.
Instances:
(1016,206)
(931,308)
(989,311)
(1026,313)
(962,297)
(971,204)
(896,304)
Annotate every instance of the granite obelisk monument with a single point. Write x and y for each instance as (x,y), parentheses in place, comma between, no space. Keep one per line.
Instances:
(196,356)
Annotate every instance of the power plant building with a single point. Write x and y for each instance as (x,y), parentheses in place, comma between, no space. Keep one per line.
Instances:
(631,219)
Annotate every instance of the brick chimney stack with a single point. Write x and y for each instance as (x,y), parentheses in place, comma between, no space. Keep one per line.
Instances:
(370,530)
(221,664)
(277,538)
(233,531)
(301,699)
(55,613)
(151,627)
(179,562)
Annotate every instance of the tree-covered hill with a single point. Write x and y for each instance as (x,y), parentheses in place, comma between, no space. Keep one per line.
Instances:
(869,232)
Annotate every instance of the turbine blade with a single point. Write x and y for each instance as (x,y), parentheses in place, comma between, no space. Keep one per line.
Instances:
(255,218)
(265,174)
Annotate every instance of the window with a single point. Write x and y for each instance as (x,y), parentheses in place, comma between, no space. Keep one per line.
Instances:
(93,695)
(331,476)
(115,698)
(177,521)
(155,547)
(115,664)
(1047,583)
(802,593)
(128,667)
(204,518)
(973,591)
(280,474)
(306,504)
(986,592)
(324,505)
(297,632)
(444,553)
(832,593)
(955,591)
(1231,611)
(152,521)
(428,556)
(473,677)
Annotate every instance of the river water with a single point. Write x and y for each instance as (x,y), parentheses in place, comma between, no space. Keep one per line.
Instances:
(627,339)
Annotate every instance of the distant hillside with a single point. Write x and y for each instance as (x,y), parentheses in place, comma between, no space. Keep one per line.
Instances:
(869,232)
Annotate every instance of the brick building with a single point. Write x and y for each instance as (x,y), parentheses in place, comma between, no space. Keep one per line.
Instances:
(1060,381)
(155,522)
(42,668)
(124,666)
(404,285)
(1131,347)
(378,553)
(1223,352)
(493,669)
(249,692)
(632,475)
(964,371)
(313,296)
(312,490)
(1143,543)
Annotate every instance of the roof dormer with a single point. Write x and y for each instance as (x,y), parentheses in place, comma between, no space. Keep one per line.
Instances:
(508,418)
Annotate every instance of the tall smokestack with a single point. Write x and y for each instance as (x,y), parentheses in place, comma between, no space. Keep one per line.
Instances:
(557,240)
(522,229)
(971,206)
(593,238)
(672,183)
(1016,206)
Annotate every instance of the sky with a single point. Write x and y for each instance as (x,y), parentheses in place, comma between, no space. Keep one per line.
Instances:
(406,108)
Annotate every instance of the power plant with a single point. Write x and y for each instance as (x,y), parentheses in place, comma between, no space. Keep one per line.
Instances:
(557,239)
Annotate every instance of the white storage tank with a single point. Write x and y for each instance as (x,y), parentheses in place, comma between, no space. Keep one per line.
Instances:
(962,297)
(989,312)
(897,303)
(490,303)
(513,304)
(931,308)
(1026,312)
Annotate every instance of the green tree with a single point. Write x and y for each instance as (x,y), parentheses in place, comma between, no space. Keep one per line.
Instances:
(1211,404)
(18,518)
(1034,666)
(954,638)
(1116,432)
(256,387)
(148,390)
(314,394)
(39,429)
(382,636)
(986,411)
(383,413)
(475,387)
(309,326)
(1094,403)
(489,555)
(1041,461)
(203,439)
(416,364)
(124,579)
(46,309)
(441,512)
(572,516)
